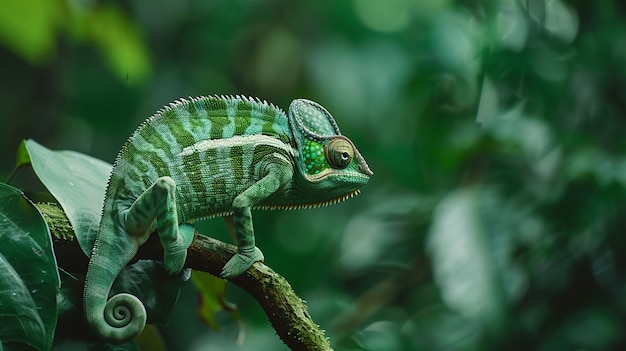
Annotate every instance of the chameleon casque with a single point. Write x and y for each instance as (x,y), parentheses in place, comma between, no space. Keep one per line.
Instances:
(204,157)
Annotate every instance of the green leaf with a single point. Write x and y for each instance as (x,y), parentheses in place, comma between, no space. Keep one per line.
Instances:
(78,183)
(21,155)
(32,39)
(28,274)
(120,43)
(212,297)
(21,160)
(117,38)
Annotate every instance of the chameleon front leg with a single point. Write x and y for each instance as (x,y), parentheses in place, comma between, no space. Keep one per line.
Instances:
(247,253)
(159,203)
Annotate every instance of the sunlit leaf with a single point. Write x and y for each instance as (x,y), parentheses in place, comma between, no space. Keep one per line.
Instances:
(29,28)
(119,42)
(115,36)
(106,27)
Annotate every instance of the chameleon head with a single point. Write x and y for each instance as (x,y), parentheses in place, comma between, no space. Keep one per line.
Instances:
(326,159)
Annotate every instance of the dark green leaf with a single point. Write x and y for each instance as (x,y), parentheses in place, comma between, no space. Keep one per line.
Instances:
(28,274)
(151,283)
(67,336)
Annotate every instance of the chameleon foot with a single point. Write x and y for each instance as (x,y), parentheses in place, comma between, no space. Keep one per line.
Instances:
(174,258)
(240,262)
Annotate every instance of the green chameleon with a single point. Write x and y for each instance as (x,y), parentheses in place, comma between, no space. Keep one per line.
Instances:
(206,157)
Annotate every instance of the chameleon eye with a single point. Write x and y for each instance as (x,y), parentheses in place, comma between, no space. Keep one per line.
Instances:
(339,153)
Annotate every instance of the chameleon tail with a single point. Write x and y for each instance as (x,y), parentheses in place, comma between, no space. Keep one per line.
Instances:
(123,316)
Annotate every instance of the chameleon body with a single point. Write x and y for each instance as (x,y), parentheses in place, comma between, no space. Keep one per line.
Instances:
(204,157)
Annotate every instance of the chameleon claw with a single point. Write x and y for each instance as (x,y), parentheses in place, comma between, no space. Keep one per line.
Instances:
(240,262)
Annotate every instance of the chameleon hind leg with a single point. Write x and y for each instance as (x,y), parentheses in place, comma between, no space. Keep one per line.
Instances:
(158,203)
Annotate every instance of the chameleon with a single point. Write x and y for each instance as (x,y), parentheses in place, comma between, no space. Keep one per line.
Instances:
(204,157)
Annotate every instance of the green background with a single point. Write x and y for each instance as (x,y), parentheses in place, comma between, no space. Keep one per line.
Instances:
(495,129)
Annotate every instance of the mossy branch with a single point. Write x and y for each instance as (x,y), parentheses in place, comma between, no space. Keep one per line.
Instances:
(285,310)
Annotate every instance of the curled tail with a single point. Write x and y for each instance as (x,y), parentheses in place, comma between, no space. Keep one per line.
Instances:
(122,317)
(121,320)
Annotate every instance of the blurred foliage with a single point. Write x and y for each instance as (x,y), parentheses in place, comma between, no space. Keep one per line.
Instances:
(494,128)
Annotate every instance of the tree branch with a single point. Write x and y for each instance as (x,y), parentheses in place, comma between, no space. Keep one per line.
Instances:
(285,310)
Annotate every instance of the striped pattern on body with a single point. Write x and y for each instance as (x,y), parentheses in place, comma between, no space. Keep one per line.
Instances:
(210,146)
(205,157)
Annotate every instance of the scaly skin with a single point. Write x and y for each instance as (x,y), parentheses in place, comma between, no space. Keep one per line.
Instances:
(206,157)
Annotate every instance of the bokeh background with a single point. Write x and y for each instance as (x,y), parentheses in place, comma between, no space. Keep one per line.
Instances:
(496,131)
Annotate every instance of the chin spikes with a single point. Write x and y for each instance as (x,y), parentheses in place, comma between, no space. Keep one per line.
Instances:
(311,205)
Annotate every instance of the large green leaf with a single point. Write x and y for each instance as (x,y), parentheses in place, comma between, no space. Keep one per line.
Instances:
(78,183)
(28,274)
